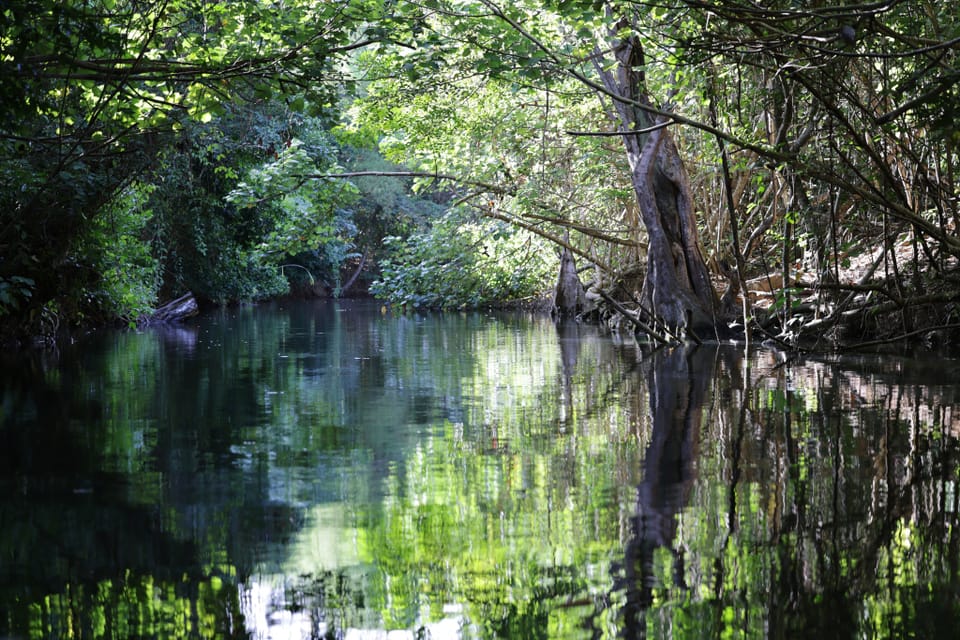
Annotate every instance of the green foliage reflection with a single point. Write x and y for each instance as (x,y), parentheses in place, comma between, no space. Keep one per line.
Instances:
(137,606)
(316,469)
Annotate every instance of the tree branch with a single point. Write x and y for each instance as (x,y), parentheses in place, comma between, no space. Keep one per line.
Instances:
(620,134)
(491,213)
(487,186)
(552,56)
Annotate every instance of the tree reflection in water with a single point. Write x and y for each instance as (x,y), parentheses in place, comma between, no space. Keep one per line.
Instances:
(678,381)
(823,505)
(328,469)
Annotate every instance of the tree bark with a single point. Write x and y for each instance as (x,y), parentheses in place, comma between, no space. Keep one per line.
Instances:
(569,297)
(676,287)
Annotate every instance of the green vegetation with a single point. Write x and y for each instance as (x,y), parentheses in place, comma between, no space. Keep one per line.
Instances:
(459,262)
(743,160)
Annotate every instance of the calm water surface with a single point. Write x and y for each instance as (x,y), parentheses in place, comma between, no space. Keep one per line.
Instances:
(328,470)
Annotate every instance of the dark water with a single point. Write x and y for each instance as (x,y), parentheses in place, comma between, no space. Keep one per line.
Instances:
(322,470)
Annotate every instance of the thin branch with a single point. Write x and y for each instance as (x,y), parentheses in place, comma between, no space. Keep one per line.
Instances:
(496,215)
(553,57)
(902,337)
(637,322)
(487,186)
(585,230)
(919,100)
(620,134)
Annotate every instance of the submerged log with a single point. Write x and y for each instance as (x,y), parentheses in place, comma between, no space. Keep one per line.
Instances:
(175,310)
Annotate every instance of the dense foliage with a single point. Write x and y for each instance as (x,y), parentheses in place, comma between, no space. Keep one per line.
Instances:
(233,149)
(462,263)
(106,102)
(808,135)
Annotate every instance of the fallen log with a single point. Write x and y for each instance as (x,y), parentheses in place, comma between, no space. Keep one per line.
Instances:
(175,310)
(638,324)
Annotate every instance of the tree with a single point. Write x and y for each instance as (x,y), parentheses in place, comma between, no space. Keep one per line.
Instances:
(824,128)
(533,55)
(852,146)
(95,92)
(677,288)
(816,154)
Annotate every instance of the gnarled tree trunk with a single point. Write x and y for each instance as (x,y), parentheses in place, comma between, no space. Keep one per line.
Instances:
(677,288)
(569,297)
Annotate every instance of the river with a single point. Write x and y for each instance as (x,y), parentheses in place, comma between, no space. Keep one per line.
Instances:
(323,469)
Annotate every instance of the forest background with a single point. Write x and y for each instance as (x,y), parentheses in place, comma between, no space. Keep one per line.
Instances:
(680,168)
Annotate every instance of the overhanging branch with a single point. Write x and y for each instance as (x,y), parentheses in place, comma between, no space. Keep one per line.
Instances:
(620,134)
(552,56)
(496,215)
(486,186)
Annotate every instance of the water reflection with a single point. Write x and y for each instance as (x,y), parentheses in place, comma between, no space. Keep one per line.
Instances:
(322,470)
(677,381)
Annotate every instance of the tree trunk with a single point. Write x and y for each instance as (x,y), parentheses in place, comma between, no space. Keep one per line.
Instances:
(569,297)
(676,287)
(356,274)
